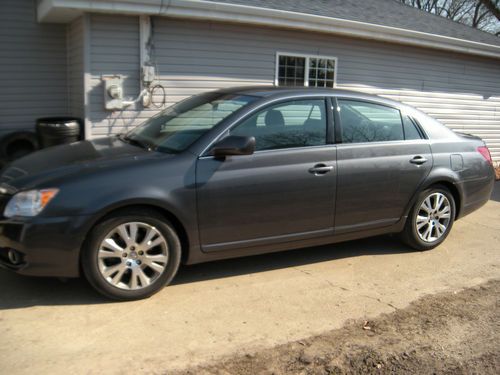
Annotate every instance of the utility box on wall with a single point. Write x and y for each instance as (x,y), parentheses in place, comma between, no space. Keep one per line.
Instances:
(113,92)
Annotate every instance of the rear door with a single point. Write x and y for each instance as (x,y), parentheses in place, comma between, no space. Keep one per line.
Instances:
(382,159)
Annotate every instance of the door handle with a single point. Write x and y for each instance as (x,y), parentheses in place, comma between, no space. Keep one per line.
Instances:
(320,169)
(418,160)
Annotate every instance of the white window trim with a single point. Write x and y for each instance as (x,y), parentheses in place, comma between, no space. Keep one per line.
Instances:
(306,68)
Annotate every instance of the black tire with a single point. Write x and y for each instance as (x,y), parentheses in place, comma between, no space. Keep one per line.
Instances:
(410,235)
(89,256)
(18,144)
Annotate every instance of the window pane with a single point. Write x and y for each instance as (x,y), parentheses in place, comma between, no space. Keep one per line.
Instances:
(321,72)
(411,131)
(291,70)
(298,123)
(369,122)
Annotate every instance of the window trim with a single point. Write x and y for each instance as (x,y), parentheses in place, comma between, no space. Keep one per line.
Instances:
(306,67)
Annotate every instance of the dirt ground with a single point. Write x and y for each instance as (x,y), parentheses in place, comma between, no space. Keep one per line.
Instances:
(447,333)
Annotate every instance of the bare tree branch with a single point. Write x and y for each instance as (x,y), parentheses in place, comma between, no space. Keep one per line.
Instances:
(493,6)
(480,14)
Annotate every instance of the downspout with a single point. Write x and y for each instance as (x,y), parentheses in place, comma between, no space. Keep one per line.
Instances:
(146,69)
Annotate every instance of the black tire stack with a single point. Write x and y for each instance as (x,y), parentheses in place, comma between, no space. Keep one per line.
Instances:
(50,131)
(53,131)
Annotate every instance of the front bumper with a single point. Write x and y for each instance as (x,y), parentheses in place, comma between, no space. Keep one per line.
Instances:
(46,246)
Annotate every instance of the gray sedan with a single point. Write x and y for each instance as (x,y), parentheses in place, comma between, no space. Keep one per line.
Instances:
(237,172)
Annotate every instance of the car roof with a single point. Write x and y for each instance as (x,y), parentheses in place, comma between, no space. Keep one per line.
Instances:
(276,92)
(264,91)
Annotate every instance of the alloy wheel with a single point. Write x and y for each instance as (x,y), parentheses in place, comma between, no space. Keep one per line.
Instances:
(133,256)
(433,217)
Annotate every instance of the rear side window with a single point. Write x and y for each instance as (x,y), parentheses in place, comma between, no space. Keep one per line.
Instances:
(411,130)
(369,122)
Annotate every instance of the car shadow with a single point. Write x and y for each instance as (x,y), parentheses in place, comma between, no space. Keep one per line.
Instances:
(20,291)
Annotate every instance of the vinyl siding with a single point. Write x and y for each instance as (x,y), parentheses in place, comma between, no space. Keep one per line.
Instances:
(461,91)
(75,51)
(114,48)
(32,67)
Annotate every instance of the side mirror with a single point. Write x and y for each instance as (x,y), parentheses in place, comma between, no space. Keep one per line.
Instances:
(234,145)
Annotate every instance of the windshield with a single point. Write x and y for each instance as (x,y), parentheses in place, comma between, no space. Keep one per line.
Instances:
(179,126)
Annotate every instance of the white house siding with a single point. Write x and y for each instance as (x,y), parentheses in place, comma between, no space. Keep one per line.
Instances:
(75,58)
(461,91)
(32,67)
(114,49)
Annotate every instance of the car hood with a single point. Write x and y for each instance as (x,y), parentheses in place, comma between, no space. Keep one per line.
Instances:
(65,160)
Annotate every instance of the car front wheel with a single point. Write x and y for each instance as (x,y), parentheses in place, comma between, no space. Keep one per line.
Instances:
(431,219)
(131,254)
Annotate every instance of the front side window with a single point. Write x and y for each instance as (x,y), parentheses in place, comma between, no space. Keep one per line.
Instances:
(369,122)
(298,123)
(179,126)
(312,71)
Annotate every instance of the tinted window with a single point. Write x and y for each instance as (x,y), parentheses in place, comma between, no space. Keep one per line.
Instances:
(411,130)
(369,122)
(298,123)
(178,126)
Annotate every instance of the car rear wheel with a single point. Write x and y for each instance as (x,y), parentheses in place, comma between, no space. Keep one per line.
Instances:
(431,219)
(131,255)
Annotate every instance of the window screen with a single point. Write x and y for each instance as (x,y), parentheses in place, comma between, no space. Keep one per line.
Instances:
(291,71)
(369,122)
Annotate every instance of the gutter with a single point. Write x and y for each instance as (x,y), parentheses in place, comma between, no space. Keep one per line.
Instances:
(63,11)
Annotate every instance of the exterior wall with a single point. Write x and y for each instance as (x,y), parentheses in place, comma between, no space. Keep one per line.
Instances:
(32,67)
(75,57)
(114,49)
(461,91)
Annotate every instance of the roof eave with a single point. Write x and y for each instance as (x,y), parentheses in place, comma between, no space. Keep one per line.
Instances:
(63,11)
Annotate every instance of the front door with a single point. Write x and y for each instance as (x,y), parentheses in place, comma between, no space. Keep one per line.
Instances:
(285,191)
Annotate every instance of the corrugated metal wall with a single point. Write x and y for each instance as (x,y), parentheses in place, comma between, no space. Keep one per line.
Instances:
(32,67)
(461,91)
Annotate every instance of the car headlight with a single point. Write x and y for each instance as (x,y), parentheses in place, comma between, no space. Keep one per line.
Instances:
(29,203)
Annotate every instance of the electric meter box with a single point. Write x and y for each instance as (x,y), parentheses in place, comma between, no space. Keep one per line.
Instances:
(113,92)
(148,74)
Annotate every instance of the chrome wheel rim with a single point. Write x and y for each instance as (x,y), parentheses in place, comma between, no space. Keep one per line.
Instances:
(133,256)
(433,217)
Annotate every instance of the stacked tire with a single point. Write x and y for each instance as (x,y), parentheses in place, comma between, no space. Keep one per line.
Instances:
(50,131)
(53,131)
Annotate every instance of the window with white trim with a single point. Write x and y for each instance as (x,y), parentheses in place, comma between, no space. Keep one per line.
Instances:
(304,70)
